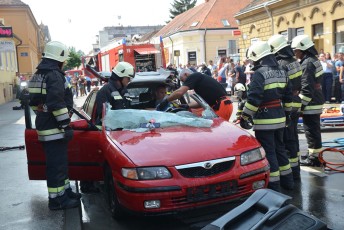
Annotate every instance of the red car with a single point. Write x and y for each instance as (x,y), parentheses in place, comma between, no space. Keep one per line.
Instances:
(156,162)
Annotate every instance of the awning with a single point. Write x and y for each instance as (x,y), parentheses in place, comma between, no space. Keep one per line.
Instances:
(147,50)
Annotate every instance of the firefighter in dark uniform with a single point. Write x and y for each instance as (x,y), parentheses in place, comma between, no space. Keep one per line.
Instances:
(50,98)
(311,96)
(268,103)
(285,57)
(208,88)
(115,93)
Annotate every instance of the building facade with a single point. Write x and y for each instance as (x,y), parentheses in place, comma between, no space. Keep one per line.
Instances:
(206,32)
(19,16)
(322,20)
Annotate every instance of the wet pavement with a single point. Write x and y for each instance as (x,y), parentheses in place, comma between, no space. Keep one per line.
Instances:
(24,202)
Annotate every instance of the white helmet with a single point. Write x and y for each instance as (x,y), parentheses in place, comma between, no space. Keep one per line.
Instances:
(56,50)
(258,50)
(277,42)
(239,87)
(301,42)
(124,69)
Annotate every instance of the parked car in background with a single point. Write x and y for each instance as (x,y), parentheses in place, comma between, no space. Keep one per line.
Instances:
(158,162)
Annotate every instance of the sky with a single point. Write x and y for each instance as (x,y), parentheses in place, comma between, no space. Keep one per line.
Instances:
(77,22)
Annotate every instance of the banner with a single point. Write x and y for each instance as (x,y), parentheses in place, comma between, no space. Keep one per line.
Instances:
(6,32)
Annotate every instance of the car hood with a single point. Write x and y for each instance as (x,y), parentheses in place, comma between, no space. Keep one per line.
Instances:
(183,144)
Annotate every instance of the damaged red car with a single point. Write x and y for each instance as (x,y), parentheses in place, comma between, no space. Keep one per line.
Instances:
(157,162)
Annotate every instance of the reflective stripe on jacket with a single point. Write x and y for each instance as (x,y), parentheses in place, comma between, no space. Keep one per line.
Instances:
(311,93)
(294,72)
(50,94)
(268,83)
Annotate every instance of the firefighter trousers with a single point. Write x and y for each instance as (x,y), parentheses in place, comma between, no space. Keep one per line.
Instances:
(311,124)
(280,171)
(291,140)
(56,166)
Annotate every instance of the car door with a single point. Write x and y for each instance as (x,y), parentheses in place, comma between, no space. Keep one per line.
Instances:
(85,158)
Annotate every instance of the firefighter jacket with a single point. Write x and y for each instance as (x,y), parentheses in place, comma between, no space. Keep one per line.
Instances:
(117,97)
(294,72)
(311,93)
(50,98)
(269,96)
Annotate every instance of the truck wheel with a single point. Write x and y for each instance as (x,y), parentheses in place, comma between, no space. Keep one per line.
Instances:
(116,209)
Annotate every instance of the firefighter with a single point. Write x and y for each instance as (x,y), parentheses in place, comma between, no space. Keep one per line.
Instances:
(208,88)
(50,98)
(240,92)
(311,96)
(268,103)
(115,91)
(285,57)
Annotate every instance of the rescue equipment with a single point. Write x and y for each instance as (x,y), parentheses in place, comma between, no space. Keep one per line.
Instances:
(336,146)
(21,147)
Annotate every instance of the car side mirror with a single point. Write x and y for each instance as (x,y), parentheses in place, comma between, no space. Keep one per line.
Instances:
(79,125)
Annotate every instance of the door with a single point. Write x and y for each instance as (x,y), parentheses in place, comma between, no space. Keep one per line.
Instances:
(85,158)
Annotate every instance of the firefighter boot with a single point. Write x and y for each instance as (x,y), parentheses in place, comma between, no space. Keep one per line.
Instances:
(310,161)
(63,202)
(72,194)
(287,181)
(274,186)
(296,173)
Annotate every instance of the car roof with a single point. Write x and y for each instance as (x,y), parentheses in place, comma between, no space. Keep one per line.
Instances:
(146,79)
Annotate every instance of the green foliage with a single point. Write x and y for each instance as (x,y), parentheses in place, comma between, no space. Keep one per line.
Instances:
(180,6)
(74,59)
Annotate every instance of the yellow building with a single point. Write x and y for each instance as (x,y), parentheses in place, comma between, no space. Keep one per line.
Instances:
(19,16)
(206,32)
(323,20)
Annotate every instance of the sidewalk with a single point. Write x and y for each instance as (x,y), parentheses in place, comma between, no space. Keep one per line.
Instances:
(24,202)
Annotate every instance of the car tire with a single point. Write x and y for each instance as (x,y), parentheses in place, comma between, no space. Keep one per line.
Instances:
(115,207)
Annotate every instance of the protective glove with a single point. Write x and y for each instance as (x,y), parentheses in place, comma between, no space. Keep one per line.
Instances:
(68,133)
(287,118)
(246,121)
(162,105)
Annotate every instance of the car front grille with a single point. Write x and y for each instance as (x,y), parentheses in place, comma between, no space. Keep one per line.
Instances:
(199,171)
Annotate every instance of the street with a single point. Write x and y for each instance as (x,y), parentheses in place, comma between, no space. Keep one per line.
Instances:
(24,202)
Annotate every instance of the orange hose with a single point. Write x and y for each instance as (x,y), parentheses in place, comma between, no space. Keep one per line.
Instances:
(329,164)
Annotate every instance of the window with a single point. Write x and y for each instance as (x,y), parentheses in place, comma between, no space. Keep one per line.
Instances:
(192,58)
(222,53)
(300,31)
(318,29)
(225,22)
(232,47)
(194,24)
(339,33)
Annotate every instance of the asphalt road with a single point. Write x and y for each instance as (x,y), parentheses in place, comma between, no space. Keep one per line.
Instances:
(24,202)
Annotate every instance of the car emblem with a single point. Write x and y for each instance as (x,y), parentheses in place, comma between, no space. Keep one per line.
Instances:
(208,165)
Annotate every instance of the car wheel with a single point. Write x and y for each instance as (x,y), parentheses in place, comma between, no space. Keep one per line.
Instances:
(116,209)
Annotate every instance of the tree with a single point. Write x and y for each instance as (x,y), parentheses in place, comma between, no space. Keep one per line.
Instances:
(74,59)
(180,6)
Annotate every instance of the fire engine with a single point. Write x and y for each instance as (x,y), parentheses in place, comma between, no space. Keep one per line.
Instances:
(143,56)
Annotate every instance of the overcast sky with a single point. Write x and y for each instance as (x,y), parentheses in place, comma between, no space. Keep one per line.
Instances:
(77,22)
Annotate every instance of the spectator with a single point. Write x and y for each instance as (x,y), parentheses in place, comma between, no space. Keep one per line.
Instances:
(240,76)
(205,70)
(327,77)
(337,84)
(212,67)
(88,83)
(223,72)
(248,71)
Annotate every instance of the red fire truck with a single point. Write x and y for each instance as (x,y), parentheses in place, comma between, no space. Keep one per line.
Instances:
(144,57)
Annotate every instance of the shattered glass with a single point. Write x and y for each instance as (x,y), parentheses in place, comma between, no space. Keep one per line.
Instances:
(131,119)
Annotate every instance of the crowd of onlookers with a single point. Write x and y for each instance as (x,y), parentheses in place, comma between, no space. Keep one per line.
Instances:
(229,73)
(225,71)
(81,85)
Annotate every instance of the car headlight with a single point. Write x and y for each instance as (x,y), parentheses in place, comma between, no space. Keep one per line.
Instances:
(147,173)
(252,156)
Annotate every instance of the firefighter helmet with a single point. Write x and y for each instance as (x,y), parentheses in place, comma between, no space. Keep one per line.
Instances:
(277,42)
(239,87)
(258,50)
(124,69)
(56,50)
(301,42)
